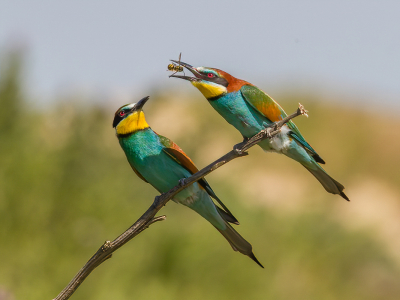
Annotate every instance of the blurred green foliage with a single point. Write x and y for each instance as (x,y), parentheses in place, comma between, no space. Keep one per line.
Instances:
(65,188)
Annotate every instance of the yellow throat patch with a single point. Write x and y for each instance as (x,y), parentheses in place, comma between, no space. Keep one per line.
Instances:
(209,90)
(132,123)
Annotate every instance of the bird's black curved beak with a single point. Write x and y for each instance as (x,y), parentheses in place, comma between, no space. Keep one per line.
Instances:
(197,75)
(141,103)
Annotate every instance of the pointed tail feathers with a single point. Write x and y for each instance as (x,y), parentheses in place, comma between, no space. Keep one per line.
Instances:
(330,184)
(219,219)
(238,243)
(227,217)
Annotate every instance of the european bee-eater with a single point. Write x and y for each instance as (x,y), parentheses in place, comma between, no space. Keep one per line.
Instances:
(160,162)
(249,110)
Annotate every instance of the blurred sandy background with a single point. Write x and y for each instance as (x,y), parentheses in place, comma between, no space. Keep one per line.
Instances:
(65,185)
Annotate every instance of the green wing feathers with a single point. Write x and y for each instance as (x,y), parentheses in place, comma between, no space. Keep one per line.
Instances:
(263,103)
(267,106)
(177,154)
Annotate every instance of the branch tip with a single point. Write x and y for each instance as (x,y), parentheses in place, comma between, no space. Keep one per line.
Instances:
(302,110)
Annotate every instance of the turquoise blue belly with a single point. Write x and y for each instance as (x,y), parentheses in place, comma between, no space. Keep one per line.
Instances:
(237,112)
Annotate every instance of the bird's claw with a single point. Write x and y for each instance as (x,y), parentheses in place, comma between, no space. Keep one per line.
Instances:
(182,182)
(268,133)
(272,128)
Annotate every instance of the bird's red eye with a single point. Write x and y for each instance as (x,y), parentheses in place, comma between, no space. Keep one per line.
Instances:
(210,75)
(121,113)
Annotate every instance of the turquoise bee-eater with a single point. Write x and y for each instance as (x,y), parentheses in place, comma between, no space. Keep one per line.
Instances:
(160,162)
(249,110)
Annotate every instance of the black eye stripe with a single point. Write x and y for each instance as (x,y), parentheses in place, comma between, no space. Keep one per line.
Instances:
(216,79)
(207,73)
(119,117)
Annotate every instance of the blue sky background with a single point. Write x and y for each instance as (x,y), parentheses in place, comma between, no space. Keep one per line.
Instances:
(350,47)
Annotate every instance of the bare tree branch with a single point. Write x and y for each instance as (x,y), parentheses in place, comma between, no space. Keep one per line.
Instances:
(106,250)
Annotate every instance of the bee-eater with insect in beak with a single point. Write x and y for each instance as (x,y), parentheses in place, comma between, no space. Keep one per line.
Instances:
(250,110)
(160,162)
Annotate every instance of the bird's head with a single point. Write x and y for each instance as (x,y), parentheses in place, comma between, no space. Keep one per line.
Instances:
(130,118)
(212,83)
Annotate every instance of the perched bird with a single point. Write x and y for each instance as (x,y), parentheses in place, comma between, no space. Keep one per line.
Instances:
(160,162)
(249,110)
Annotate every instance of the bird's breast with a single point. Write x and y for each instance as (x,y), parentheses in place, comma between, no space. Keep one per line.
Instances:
(140,145)
(145,153)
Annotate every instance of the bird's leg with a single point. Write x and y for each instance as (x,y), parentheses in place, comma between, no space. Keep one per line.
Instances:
(273,125)
(270,127)
(266,125)
(182,181)
(268,132)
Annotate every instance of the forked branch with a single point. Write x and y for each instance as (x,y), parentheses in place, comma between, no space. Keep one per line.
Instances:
(106,250)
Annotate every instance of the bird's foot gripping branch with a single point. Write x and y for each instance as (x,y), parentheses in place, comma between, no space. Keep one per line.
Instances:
(271,130)
(108,248)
